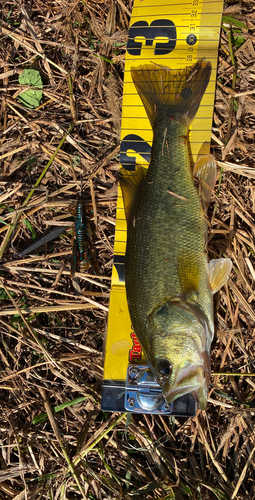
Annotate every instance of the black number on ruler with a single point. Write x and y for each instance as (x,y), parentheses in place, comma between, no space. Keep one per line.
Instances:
(135,143)
(158,28)
(118,262)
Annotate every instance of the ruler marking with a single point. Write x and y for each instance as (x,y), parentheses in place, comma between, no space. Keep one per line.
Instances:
(201,19)
(208,13)
(177,5)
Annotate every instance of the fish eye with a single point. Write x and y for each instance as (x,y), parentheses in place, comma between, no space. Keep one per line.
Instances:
(165,368)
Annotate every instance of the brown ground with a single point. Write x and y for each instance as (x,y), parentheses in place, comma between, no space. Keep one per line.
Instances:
(51,335)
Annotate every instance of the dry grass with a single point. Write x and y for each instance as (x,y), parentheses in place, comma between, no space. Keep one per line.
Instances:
(52,327)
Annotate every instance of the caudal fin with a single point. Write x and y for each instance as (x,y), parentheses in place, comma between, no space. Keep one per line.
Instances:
(177,92)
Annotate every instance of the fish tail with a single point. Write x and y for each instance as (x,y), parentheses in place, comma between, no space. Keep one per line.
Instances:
(175,92)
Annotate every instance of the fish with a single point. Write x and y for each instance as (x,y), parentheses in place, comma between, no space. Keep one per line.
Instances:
(82,246)
(169,282)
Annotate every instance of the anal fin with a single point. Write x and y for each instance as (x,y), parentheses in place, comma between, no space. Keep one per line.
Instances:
(129,182)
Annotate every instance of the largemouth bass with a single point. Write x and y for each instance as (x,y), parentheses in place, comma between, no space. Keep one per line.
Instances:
(169,283)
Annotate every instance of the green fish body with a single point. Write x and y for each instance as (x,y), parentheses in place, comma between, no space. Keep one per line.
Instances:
(168,283)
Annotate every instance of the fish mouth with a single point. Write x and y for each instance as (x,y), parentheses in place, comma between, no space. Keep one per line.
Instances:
(189,380)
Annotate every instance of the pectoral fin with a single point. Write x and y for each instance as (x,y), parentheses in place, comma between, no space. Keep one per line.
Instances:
(219,271)
(205,170)
(129,183)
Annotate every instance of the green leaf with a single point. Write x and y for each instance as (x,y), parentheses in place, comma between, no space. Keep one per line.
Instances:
(5,223)
(234,22)
(31,98)
(4,295)
(27,223)
(119,44)
(145,489)
(44,416)
(235,105)
(238,40)
(43,478)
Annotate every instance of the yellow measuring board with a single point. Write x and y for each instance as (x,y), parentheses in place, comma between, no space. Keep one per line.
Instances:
(173,34)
